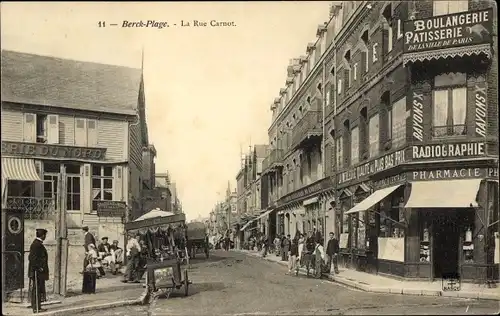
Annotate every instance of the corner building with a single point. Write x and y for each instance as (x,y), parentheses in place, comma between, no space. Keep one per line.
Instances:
(415,129)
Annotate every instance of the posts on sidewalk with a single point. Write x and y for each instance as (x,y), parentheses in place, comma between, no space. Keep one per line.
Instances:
(63,233)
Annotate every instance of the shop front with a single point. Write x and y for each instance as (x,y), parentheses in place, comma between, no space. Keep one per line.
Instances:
(427,224)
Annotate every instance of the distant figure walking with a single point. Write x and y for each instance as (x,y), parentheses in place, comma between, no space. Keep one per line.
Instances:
(38,270)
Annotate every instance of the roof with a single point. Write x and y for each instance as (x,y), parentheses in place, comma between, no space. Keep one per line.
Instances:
(65,83)
(261,151)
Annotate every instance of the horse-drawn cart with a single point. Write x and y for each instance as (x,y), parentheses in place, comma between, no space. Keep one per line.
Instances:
(197,239)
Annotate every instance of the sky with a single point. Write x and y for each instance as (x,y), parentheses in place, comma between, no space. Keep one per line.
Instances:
(208,89)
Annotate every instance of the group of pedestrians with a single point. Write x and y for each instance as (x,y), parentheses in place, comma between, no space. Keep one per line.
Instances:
(308,251)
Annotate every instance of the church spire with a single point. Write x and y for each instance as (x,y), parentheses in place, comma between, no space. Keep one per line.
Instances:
(228,191)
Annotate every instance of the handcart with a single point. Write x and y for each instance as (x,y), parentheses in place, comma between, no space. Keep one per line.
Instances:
(197,239)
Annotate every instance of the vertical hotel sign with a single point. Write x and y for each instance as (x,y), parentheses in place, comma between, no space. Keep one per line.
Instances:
(460,29)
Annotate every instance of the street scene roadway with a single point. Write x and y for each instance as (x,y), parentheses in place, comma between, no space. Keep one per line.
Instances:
(232,283)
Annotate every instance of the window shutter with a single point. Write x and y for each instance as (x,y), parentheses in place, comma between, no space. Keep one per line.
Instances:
(80,132)
(29,128)
(92,133)
(363,62)
(117,184)
(87,189)
(38,184)
(53,129)
(385,41)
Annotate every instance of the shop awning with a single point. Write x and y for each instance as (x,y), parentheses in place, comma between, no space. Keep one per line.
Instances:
(19,169)
(437,54)
(247,224)
(444,193)
(311,201)
(264,214)
(373,198)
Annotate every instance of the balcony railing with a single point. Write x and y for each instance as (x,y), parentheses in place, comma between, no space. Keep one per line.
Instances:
(308,126)
(33,208)
(274,157)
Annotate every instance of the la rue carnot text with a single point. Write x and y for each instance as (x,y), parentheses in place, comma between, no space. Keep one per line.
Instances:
(212,23)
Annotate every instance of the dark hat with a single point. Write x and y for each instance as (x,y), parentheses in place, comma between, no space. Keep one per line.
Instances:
(85,228)
(41,231)
(104,238)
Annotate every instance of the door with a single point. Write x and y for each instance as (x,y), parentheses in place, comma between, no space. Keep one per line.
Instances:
(13,249)
(445,245)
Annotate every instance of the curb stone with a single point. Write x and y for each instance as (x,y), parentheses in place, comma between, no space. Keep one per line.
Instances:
(401,291)
(82,309)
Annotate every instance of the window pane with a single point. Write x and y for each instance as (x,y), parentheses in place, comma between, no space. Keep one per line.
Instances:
(389,124)
(76,184)
(107,196)
(96,194)
(458,6)
(94,205)
(450,79)
(76,202)
(440,112)
(459,96)
(355,146)
(440,7)
(108,183)
(51,167)
(108,171)
(399,123)
(72,168)
(374,131)
(96,170)
(96,183)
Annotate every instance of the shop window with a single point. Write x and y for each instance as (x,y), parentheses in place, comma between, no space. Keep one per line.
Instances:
(361,230)
(355,146)
(50,186)
(102,184)
(449,102)
(398,123)
(73,193)
(449,7)
(374,131)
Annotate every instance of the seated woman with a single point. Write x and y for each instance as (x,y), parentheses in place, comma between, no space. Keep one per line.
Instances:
(94,261)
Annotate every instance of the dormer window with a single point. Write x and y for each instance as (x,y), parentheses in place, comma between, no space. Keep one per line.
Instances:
(387,29)
(365,60)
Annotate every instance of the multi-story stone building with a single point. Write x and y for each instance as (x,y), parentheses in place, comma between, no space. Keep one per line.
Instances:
(72,139)
(407,93)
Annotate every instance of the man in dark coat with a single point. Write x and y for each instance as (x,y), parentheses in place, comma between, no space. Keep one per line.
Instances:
(89,239)
(332,250)
(38,270)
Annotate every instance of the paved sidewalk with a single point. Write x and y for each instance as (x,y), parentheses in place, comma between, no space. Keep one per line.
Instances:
(110,292)
(376,283)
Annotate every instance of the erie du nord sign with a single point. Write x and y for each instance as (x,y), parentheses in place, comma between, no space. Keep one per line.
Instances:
(380,164)
(52,151)
(446,31)
(439,151)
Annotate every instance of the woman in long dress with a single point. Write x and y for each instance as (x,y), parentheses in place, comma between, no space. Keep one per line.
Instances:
(301,248)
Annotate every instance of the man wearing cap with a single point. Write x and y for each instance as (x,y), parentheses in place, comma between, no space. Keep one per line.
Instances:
(104,250)
(38,270)
(89,239)
(133,250)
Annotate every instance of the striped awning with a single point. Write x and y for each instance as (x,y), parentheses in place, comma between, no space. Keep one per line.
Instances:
(19,169)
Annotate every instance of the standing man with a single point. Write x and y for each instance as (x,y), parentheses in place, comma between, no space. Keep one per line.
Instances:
(133,251)
(89,239)
(332,250)
(38,270)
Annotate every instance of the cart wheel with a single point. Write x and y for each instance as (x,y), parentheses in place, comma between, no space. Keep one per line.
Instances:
(186,283)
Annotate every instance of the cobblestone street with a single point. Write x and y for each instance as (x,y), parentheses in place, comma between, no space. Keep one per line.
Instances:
(234,283)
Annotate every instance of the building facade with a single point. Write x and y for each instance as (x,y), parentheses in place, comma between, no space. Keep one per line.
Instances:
(393,108)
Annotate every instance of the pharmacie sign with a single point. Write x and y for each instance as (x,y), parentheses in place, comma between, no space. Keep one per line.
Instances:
(434,151)
(380,164)
(463,173)
(446,31)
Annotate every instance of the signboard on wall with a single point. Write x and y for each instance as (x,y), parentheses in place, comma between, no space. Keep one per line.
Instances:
(417,115)
(377,165)
(456,150)
(52,151)
(447,31)
(454,173)
(480,116)
(111,208)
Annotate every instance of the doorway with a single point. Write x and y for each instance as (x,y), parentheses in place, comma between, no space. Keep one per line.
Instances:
(445,244)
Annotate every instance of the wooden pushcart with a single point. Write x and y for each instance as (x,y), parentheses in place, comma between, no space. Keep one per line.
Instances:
(197,239)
